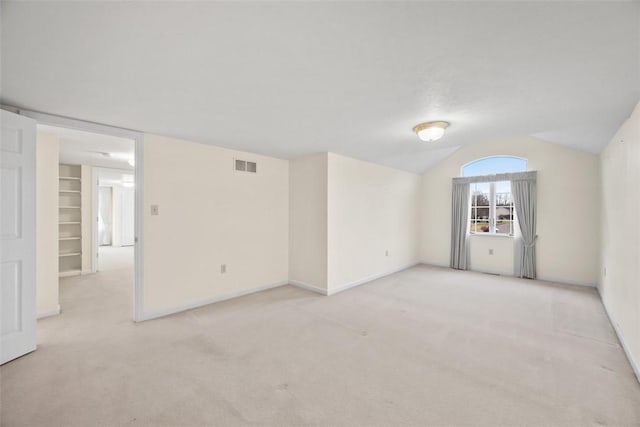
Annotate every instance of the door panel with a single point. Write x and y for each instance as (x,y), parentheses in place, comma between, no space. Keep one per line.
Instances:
(17,236)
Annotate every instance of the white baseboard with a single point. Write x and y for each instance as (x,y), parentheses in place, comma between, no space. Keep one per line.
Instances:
(359,282)
(195,304)
(566,282)
(542,278)
(309,287)
(434,264)
(49,313)
(632,361)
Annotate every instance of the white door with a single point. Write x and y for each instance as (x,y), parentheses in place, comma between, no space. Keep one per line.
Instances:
(17,236)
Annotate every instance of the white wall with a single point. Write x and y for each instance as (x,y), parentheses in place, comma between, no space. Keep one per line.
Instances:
(209,215)
(620,286)
(372,220)
(47,147)
(308,221)
(568,211)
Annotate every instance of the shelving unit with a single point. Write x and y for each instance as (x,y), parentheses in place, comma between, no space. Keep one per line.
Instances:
(70,221)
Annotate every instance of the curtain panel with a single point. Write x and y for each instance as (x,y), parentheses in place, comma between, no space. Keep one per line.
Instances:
(524,200)
(459,226)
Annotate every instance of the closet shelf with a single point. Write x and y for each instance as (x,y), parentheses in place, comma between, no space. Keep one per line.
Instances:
(67,273)
(69,254)
(70,223)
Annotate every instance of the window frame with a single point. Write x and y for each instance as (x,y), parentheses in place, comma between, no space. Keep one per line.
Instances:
(492,214)
(498,156)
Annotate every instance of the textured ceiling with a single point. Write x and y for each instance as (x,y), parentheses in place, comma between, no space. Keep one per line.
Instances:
(288,79)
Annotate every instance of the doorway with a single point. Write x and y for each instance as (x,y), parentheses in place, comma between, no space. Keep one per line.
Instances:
(90,167)
(115,218)
(86,149)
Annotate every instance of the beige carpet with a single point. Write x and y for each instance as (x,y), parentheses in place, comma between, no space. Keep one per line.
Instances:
(427,346)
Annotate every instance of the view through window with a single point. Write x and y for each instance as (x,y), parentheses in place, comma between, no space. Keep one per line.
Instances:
(492,210)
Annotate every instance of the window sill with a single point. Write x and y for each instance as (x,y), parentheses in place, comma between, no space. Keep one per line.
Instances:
(502,236)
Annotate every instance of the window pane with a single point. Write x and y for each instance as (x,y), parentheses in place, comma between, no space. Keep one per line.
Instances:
(482,226)
(503,193)
(503,212)
(503,226)
(483,213)
(493,165)
(481,192)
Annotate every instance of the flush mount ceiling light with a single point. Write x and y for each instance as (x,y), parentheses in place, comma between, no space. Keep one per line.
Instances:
(430,131)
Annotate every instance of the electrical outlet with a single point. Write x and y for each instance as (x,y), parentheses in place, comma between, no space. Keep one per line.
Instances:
(386,253)
(490,251)
(223,268)
(154,210)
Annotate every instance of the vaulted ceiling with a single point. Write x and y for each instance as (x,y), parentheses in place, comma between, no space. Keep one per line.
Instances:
(293,78)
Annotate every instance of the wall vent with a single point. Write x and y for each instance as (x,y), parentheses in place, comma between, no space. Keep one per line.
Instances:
(245,166)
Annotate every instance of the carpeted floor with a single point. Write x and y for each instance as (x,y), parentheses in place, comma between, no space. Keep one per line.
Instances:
(427,346)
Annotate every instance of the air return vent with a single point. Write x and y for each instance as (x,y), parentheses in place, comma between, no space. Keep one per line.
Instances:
(245,166)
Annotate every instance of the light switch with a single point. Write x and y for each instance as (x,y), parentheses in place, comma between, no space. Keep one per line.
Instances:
(154,210)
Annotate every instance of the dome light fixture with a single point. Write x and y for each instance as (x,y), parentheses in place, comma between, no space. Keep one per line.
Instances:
(430,131)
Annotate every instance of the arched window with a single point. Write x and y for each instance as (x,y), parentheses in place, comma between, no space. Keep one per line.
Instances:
(492,210)
(493,165)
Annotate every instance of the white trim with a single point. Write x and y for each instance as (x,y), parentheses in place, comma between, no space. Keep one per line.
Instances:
(138,289)
(138,138)
(632,361)
(564,281)
(94,219)
(540,278)
(368,279)
(308,287)
(199,303)
(435,264)
(499,235)
(48,313)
